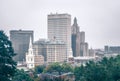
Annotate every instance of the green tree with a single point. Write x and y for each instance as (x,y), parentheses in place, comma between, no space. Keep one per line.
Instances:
(21,75)
(108,69)
(66,68)
(7,64)
(54,67)
(60,68)
(39,69)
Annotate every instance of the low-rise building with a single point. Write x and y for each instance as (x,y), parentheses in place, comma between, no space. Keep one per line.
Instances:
(53,51)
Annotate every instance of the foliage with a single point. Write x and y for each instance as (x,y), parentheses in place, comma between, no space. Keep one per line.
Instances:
(21,75)
(66,68)
(54,67)
(105,70)
(60,68)
(39,69)
(7,65)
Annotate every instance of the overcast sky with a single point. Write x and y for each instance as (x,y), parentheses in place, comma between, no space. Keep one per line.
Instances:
(100,19)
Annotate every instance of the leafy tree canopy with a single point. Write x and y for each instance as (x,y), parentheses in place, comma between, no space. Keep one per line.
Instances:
(108,69)
(60,68)
(21,75)
(39,69)
(7,64)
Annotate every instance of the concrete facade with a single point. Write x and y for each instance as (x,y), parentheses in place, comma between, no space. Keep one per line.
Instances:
(59,28)
(53,51)
(20,41)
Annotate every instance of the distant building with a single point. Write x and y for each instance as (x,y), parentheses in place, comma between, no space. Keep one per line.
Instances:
(91,52)
(112,49)
(20,41)
(82,37)
(79,46)
(75,39)
(84,49)
(81,60)
(32,59)
(106,48)
(59,28)
(53,51)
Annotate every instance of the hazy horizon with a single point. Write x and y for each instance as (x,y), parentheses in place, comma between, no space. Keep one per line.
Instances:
(98,18)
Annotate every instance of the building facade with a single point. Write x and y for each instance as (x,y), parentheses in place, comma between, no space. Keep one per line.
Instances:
(53,51)
(59,28)
(79,46)
(112,49)
(75,39)
(20,41)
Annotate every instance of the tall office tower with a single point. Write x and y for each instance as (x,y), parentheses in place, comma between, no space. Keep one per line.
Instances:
(82,37)
(59,28)
(20,40)
(75,39)
(84,49)
(79,46)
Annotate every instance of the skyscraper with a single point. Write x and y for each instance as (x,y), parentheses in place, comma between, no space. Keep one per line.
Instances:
(75,39)
(59,28)
(79,46)
(20,40)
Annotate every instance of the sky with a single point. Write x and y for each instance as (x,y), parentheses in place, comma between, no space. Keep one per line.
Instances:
(100,19)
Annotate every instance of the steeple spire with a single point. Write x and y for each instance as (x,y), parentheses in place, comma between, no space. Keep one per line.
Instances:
(30,43)
(30,50)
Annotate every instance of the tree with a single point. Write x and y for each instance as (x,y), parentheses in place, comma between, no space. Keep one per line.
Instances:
(54,67)
(7,64)
(21,75)
(108,69)
(60,68)
(66,68)
(39,69)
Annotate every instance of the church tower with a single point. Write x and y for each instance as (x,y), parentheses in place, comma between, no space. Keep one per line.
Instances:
(30,56)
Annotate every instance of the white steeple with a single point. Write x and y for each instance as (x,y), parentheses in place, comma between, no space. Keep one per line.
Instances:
(30,50)
(30,43)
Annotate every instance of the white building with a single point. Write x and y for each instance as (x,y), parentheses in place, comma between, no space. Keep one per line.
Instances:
(59,28)
(81,60)
(33,60)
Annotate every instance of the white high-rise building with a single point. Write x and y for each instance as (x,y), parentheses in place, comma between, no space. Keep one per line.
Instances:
(59,28)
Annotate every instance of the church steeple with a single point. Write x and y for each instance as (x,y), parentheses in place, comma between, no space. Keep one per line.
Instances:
(30,50)
(30,43)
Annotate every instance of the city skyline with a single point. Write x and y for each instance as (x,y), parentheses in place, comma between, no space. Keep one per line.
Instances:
(99,19)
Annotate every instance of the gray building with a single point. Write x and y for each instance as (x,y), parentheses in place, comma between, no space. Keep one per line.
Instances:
(84,49)
(79,46)
(75,39)
(112,49)
(20,41)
